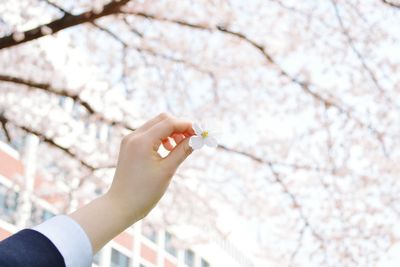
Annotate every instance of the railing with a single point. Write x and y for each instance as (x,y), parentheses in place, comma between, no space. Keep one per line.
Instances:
(234,252)
(228,247)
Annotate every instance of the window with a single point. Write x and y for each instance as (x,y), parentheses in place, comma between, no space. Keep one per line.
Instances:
(119,260)
(149,232)
(189,257)
(204,263)
(39,214)
(36,214)
(169,246)
(47,215)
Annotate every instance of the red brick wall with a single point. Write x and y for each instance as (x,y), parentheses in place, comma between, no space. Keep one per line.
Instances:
(9,166)
(4,234)
(168,263)
(124,239)
(148,254)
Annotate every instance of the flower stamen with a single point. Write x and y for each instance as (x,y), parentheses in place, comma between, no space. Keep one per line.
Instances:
(204,134)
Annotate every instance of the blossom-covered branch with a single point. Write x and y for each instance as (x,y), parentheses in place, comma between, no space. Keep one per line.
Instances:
(62,92)
(353,47)
(306,87)
(49,141)
(66,21)
(390,3)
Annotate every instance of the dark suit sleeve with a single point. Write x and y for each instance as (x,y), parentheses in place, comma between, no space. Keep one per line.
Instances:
(29,248)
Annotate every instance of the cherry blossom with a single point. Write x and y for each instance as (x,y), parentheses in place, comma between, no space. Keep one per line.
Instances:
(203,137)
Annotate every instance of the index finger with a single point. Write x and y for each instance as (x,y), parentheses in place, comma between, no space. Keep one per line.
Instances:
(166,128)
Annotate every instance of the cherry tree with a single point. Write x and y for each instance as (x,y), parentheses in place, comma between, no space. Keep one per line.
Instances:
(306,94)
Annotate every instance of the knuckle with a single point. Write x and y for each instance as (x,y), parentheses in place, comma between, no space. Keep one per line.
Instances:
(164,115)
(169,121)
(129,140)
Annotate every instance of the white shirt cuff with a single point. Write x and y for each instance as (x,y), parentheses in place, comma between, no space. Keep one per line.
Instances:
(70,239)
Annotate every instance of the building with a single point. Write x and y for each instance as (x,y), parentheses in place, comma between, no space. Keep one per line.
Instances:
(138,246)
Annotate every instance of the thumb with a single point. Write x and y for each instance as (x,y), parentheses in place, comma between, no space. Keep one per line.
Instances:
(179,154)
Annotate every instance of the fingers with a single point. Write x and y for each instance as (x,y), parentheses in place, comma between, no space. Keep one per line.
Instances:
(164,128)
(169,126)
(178,137)
(178,154)
(167,144)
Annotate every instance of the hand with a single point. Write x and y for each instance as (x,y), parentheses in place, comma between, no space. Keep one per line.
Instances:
(140,180)
(142,175)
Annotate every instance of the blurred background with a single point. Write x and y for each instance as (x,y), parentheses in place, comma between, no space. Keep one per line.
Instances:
(306,94)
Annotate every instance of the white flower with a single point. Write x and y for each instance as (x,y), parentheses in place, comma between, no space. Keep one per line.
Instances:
(98,8)
(18,36)
(45,30)
(202,137)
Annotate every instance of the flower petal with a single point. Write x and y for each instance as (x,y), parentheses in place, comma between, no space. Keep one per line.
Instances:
(197,128)
(196,142)
(211,141)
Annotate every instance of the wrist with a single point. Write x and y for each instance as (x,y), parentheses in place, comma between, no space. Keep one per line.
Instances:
(120,208)
(112,217)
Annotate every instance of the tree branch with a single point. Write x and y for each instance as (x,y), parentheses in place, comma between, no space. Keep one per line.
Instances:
(241,36)
(284,187)
(59,8)
(296,204)
(66,12)
(389,3)
(4,126)
(298,247)
(350,41)
(66,21)
(49,141)
(65,93)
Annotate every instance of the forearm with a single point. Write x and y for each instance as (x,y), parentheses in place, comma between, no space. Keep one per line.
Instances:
(102,220)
